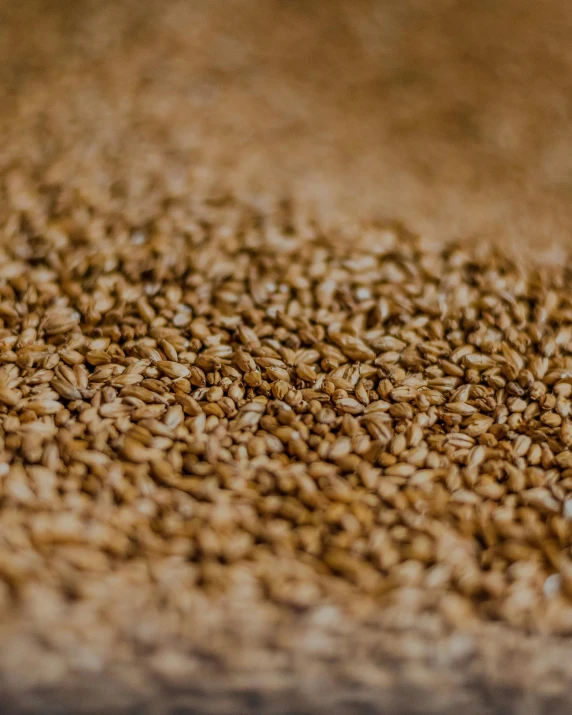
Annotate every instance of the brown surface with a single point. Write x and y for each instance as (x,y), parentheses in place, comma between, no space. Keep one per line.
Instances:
(454,117)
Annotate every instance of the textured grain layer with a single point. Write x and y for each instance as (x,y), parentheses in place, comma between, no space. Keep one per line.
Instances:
(263,448)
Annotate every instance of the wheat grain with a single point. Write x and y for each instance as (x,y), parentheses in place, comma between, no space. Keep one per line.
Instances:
(317,419)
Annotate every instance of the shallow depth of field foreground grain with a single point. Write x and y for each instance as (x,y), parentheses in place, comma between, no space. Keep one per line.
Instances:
(262,447)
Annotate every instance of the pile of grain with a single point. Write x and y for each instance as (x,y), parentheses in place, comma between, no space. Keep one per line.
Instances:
(229,402)
(243,454)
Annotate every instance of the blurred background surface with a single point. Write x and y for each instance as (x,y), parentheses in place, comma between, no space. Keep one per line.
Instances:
(453,116)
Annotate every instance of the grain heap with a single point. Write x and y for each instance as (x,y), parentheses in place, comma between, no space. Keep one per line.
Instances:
(263,410)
